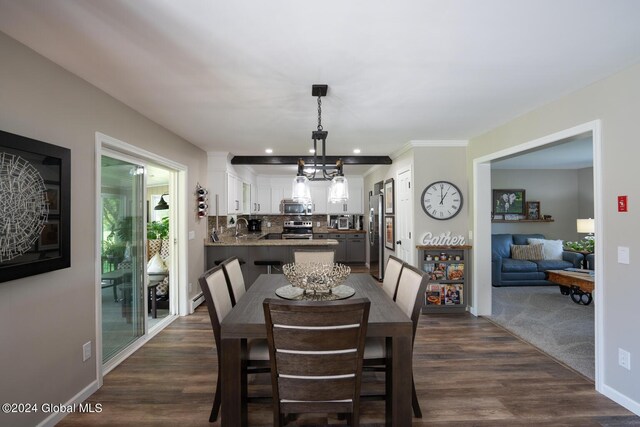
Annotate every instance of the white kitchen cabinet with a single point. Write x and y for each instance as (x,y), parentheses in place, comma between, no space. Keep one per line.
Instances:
(319,197)
(261,202)
(277,194)
(354,204)
(234,195)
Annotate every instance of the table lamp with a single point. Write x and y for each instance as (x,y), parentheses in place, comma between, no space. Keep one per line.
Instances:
(586,226)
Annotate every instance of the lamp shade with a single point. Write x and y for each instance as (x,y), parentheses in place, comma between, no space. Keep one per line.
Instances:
(162,204)
(300,190)
(339,190)
(585,225)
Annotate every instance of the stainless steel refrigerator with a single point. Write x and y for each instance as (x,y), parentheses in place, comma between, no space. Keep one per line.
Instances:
(376,233)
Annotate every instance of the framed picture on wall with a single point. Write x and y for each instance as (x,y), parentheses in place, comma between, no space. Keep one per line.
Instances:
(389,233)
(35,178)
(508,202)
(388,196)
(533,210)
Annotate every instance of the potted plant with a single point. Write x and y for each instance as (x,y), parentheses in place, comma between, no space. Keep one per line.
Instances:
(158,230)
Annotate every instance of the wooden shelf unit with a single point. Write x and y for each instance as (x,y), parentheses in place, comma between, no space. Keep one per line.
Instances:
(450,278)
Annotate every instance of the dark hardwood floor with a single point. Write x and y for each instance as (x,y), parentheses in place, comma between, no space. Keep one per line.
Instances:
(468,372)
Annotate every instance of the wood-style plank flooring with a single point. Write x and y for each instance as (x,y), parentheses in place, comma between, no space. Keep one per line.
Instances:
(468,372)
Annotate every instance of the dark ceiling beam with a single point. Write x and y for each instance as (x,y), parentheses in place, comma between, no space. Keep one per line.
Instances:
(293,160)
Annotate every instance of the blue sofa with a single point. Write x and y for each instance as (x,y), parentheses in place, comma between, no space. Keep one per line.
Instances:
(506,271)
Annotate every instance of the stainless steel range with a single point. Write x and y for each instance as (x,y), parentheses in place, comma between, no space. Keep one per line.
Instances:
(297,230)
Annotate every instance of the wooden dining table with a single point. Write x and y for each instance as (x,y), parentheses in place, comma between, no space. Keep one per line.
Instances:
(246,320)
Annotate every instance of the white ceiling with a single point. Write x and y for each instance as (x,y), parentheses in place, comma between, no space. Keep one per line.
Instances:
(572,153)
(236,76)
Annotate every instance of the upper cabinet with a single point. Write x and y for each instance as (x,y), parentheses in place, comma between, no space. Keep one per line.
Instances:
(239,192)
(261,199)
(235,195)
(319,197)
(355,203)
(229,189)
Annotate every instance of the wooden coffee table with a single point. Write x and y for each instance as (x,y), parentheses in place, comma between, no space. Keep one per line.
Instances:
(578,284)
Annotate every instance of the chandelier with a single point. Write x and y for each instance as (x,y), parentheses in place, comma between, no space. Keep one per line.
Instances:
(338,189)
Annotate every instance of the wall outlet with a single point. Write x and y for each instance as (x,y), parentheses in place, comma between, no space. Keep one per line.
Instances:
(317,223)
(86,351)
(624,359)
(192,235)
(190,287)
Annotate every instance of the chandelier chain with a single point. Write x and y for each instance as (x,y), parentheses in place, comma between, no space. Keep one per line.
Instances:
(319,113)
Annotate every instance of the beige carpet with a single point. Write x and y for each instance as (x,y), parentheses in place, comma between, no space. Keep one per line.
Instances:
(549,320)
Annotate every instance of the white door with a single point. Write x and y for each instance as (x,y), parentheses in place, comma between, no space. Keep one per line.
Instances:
(404,237)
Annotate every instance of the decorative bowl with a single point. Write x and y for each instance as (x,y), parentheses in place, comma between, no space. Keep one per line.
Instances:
(315,276)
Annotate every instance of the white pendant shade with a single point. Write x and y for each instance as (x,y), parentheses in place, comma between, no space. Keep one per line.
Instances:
(339,190)
(300,190)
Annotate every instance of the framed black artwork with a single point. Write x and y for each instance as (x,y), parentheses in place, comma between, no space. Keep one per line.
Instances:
(35,185)
(388,197)
(389,233)
(508,202)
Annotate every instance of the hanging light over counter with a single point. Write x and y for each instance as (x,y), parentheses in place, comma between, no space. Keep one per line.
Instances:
(339,187)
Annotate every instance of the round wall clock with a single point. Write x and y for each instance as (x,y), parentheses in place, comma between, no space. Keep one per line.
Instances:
(441,200)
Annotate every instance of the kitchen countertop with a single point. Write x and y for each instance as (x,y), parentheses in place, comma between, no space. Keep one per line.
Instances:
(336,231)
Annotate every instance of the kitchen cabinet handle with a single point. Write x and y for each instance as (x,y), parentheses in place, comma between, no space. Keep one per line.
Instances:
(259,207)
(237,205)
(399,242)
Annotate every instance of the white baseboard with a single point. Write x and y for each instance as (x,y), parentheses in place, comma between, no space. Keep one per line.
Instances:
(195,302)
(621,399)
(83,395)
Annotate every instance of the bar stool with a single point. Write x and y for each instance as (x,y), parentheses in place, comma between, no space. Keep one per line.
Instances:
(268,263)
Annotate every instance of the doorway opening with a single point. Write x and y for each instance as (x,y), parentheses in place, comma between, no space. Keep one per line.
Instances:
(139,269)
(482,275)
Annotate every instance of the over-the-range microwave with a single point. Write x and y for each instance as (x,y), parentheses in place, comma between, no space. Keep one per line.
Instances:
(291,207)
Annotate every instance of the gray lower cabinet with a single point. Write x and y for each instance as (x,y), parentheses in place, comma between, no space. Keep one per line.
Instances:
(356,248)
(341,249)
(351,247)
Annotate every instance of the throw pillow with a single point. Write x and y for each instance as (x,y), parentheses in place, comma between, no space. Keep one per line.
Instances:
(552,249)
(528,252)
(156,265)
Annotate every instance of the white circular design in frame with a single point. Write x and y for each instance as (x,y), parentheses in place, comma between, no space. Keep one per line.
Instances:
(24,208)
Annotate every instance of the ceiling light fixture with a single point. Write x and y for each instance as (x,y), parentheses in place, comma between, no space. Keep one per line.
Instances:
(339,189)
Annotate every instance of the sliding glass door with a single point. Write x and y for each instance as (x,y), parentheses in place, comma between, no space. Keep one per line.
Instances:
(123,261)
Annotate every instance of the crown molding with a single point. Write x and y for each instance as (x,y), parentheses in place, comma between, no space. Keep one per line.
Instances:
(417,143)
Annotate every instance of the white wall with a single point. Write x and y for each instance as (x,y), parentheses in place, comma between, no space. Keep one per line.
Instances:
(45,319)
(610,101)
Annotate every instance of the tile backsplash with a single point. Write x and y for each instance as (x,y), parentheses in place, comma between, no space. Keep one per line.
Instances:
(276,222)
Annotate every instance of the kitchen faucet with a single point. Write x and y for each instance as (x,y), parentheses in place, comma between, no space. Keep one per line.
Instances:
(246,223)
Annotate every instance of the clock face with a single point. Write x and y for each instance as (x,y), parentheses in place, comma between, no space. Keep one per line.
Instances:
(441,200)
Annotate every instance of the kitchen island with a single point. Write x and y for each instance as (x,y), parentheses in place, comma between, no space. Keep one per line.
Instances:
(251,248)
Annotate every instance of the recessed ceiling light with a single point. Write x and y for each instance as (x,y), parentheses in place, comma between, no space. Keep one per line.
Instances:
(356,151)
(268,151)
(311,150)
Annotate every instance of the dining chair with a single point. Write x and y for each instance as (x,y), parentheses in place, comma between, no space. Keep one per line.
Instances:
(217,297)
(412,286)
(392,276)
(316,349)
(323,257)
(235,279)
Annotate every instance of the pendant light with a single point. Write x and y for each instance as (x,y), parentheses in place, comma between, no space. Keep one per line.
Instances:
(338,190)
